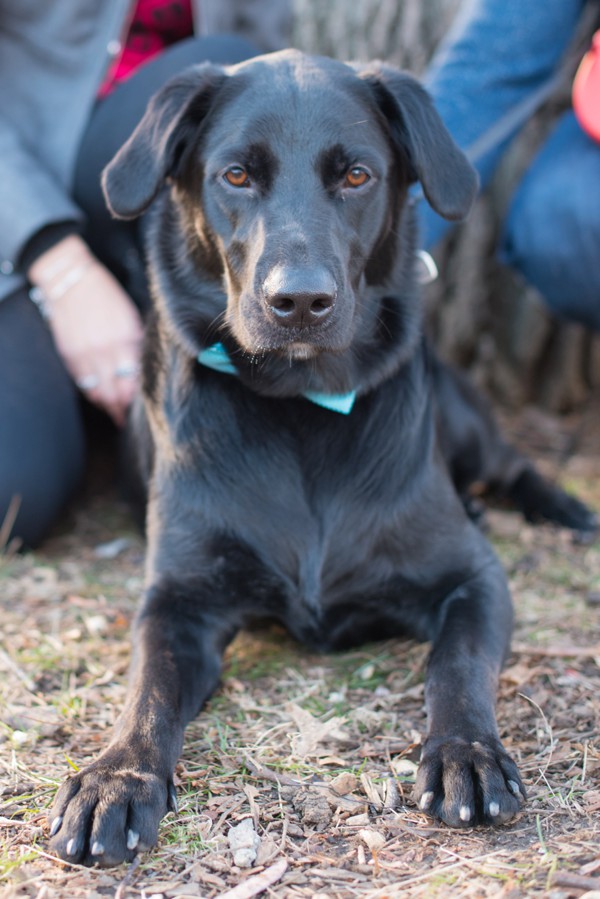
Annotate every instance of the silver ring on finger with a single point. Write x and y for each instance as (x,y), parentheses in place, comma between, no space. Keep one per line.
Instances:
(126,370)
(88,382)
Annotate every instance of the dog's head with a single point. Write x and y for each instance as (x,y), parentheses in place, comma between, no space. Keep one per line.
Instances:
(289,176)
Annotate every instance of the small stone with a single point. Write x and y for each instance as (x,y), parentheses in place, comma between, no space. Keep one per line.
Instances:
(113,548)
(244,843)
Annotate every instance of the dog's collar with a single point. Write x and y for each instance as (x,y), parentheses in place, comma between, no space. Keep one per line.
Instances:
(217,358)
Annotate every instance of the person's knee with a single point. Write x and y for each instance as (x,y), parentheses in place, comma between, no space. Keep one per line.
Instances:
(42,448)
(533,237)
(552,232)
(551,239)
(35,487)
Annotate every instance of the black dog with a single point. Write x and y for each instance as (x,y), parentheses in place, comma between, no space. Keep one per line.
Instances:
(282,251)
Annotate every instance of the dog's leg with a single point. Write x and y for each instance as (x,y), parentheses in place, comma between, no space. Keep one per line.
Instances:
(110,810)
(475,451)
(465,777)
(540,500)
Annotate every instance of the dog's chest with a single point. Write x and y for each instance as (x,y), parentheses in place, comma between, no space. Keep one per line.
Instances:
(320,551)
(300,512)
(315,502)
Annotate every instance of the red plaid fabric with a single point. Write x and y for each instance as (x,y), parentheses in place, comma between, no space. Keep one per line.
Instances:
(155,25)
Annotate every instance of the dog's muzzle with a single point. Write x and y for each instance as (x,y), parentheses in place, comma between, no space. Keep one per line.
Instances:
(299,297)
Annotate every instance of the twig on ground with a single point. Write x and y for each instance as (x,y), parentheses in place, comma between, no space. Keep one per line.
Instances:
(548,728)
(7,524)
(259,770)
(18,672)
(575,881)
(558,652)
(257,883)
(129,877)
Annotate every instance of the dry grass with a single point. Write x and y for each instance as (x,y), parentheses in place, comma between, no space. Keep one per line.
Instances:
(315,749)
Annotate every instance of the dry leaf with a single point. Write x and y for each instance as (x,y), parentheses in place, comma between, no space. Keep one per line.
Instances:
(374,839)
(344,783)
(358,820)
(313,731)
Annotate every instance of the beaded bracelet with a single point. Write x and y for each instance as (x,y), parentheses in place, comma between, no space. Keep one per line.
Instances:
(44,297)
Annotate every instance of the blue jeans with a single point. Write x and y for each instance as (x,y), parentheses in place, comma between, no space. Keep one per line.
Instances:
(499,52)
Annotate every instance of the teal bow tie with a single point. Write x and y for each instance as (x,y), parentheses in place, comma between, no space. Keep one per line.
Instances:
(217,358)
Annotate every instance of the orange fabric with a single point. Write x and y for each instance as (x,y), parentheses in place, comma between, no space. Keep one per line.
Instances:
(586,90)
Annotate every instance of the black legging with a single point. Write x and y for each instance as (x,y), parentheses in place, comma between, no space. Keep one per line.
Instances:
(42,440)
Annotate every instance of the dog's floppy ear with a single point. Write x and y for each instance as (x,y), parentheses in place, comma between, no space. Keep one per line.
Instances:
(448,179)
(135,175)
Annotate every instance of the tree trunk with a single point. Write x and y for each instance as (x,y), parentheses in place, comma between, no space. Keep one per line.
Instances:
(402,32)
(481,315)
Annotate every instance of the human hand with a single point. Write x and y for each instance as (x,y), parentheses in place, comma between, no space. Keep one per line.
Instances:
(96,326)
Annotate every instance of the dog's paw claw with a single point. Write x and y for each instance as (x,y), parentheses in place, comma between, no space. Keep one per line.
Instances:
(426,800)
(133,839)
(466,783)
(56,825)
(172,803)
(515,789)
(106,813)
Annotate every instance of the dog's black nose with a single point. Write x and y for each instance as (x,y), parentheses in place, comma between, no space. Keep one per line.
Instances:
(298,297)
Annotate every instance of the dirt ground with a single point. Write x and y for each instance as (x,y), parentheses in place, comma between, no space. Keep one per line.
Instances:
(315,753)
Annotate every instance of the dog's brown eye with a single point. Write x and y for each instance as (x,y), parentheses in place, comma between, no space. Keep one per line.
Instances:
(356,177)
(237,176)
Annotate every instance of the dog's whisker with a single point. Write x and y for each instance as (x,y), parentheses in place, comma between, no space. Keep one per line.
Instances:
(216,325)
(383,324)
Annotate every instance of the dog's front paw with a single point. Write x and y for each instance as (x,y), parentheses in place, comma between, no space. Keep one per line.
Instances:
(465,783)
(108,812)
